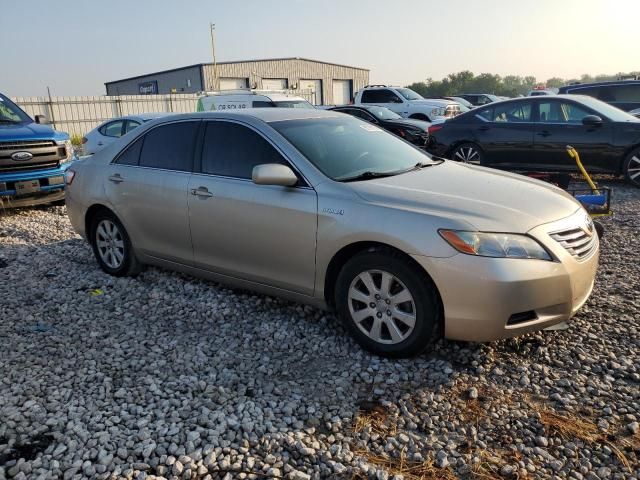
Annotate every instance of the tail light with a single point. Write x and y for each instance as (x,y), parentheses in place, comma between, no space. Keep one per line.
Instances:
(84,140)
(69,175)
(433,129)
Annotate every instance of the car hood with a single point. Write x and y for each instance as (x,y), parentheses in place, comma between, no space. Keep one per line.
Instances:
(409,122)
(29,131)
(487,199)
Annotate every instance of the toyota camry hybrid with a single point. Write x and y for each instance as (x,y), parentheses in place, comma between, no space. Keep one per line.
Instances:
(324,208)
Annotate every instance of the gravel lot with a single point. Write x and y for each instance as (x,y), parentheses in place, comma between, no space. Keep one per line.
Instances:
(166,376)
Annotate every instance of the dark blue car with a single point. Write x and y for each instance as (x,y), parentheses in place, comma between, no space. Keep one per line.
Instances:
(33,158)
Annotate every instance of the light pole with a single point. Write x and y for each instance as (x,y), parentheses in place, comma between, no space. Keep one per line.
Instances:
(212,28)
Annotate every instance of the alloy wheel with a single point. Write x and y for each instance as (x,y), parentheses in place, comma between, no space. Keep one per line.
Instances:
(633,168)
(467,155)
(110,243)
(382,307)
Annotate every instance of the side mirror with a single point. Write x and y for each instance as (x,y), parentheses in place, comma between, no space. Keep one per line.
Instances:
(273,174)
(592,121)
(42,119)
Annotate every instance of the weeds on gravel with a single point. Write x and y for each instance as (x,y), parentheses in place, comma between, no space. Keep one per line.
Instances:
(409,470)
(571,426)
(374,416)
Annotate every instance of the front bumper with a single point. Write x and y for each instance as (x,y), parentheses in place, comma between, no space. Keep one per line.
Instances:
(51,187)
(488,299)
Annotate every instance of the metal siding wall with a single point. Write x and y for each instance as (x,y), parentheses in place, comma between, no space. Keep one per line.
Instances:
(293,71)
(78,115)
(166,81)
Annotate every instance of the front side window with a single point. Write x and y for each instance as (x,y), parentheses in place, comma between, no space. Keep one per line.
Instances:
(561,112)
(344,147)
(11,113)
(232,150)
(131,124)
(409,94)
(170,146)
(112,129)
(381,95)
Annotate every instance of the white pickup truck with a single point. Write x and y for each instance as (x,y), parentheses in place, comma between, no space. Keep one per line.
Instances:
(407,103)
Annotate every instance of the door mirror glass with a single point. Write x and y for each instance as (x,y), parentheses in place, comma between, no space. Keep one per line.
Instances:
(592,120)
(273,174)
(42,119)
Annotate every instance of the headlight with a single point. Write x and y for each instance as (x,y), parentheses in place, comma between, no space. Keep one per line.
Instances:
(68,148)
(498,245)
(438,112)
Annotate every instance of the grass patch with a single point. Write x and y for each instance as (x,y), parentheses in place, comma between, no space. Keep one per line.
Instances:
(409,470)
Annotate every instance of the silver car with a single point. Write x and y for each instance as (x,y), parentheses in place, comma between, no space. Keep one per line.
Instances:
(325,209)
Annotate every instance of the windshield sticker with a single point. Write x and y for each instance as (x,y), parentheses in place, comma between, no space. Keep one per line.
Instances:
(370,128)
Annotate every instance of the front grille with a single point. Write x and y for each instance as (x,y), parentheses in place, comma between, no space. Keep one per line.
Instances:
(45,154)
(577,241)
(26,144)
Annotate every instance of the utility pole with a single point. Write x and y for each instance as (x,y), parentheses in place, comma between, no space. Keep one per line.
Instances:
(212,27)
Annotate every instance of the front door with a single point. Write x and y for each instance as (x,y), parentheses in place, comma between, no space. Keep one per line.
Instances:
(560,124)
(148,188)
(260,233)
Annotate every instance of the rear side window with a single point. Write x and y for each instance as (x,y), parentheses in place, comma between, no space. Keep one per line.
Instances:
(170,146)
(263,104)
(591,91)
(112,129)
(232,150)
(131,124)
(131,155)
(620,93)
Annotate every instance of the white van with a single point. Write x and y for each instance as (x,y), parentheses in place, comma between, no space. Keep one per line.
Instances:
(234,99)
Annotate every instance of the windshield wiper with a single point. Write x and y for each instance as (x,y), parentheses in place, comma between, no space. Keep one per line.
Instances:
(368,175)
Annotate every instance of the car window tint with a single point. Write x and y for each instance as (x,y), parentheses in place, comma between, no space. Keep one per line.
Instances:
(486,114)
(112,129)
(131,124)
(591,91)
(370,96)
(561,112)
(361,114)
(621,93)
(512,112)
(381,95)
(170,146)
(131,155)
(263,104)
(232,150)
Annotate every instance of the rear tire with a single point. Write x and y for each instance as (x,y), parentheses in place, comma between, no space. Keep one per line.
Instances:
(388,305)
(468,152)
(631,168)
(112,246)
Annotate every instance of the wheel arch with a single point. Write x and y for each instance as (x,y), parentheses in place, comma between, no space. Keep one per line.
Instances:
(91,213)
(420,116)
(348,251)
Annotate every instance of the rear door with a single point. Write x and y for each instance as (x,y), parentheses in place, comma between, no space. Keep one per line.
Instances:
(559,123)
(505,134)
(148,188)
(260,233)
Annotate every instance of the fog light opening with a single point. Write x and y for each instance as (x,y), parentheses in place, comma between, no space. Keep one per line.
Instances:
(522,317)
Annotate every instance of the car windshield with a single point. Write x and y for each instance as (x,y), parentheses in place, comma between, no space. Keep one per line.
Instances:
(382,113)
(409,94)
(344,148)
(294,104)
(609,111)
(11,113)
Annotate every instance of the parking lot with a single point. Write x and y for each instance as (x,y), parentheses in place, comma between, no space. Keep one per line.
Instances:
(167,375)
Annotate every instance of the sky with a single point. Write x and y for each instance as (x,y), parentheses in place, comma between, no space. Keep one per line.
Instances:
(74,46)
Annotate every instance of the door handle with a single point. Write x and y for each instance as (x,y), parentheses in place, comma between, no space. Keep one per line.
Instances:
(116,178)
(201,192)
(484,128)
(100,144)
(544,133)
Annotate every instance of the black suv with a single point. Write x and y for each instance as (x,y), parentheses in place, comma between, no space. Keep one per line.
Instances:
(624,94)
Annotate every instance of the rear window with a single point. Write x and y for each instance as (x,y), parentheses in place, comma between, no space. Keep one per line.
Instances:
(170,146)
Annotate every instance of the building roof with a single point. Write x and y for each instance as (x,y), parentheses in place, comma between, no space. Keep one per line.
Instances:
(230,63)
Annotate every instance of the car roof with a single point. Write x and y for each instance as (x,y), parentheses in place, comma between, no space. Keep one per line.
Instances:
(265,114)
(598,84)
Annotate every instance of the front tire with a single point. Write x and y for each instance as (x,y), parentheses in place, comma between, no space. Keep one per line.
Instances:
(468,153)
(388,305)
(112,246)
(632,168)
